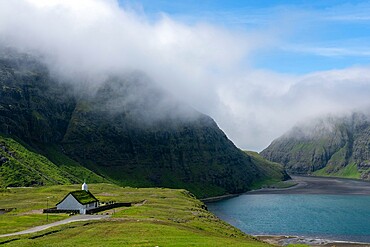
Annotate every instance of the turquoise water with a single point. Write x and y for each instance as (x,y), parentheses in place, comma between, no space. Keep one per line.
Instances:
(337,217)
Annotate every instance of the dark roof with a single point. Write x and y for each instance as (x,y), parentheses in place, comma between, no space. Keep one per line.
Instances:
(82,196)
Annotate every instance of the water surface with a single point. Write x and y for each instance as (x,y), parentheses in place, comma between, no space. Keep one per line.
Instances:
(336,216)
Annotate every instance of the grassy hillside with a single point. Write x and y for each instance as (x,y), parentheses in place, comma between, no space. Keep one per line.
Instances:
(55,154)
(349,171)
(25,166)
(168,218)
(20,165)
(274,177)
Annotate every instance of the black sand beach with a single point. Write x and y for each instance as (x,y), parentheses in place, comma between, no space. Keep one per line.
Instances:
(321,185)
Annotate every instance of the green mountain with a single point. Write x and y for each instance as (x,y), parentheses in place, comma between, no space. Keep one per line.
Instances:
(126,129)
(331,146)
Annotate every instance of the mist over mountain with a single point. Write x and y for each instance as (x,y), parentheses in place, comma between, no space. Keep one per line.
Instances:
(336,145)
(216,69)
(126,129)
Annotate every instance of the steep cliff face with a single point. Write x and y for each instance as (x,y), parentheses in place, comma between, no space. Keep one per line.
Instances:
(337,146)
(126,129)
(33,106)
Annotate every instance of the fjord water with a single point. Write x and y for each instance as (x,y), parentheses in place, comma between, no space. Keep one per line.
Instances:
(337,217)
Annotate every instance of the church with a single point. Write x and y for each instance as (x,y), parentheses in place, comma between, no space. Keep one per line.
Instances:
(81,200)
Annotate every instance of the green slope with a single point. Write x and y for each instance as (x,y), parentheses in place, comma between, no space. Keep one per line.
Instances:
(272,171)
(349,171)
(21,166)
(167,218)
(55,154)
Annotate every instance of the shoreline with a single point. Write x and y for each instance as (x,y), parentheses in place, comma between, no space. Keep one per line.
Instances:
(301,185)
(309,185)
(282,240)
(219,198)
(320,185)
(228,196)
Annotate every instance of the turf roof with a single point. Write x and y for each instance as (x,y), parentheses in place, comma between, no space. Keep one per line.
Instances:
(83,197)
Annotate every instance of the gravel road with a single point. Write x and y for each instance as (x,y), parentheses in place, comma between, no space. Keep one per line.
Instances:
(57,223)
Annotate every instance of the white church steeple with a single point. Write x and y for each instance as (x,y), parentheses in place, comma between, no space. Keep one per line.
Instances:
(84,187)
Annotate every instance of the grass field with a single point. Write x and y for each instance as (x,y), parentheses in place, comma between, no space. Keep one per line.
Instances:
(167,218)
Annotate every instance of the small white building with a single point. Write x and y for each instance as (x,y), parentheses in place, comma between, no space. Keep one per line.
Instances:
(81,200)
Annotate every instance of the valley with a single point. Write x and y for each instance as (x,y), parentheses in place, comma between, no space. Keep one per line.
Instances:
(188,123)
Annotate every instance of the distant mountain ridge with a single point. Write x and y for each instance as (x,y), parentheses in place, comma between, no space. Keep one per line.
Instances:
(334,146)
(127,130)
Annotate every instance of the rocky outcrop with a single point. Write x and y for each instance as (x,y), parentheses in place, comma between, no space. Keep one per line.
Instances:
(3,159)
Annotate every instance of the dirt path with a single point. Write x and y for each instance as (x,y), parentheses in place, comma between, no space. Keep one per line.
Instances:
(62,222)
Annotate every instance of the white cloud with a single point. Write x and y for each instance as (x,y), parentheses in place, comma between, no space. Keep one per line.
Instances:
(204,65)
(263,105)
(329,51)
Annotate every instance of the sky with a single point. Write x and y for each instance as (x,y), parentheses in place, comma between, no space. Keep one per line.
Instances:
(256,67)
(321,35)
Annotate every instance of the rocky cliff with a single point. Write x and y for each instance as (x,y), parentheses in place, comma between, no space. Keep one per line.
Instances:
(125,128)
(336,146)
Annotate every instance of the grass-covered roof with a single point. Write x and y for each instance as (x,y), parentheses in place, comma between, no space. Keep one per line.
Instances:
(83,197)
